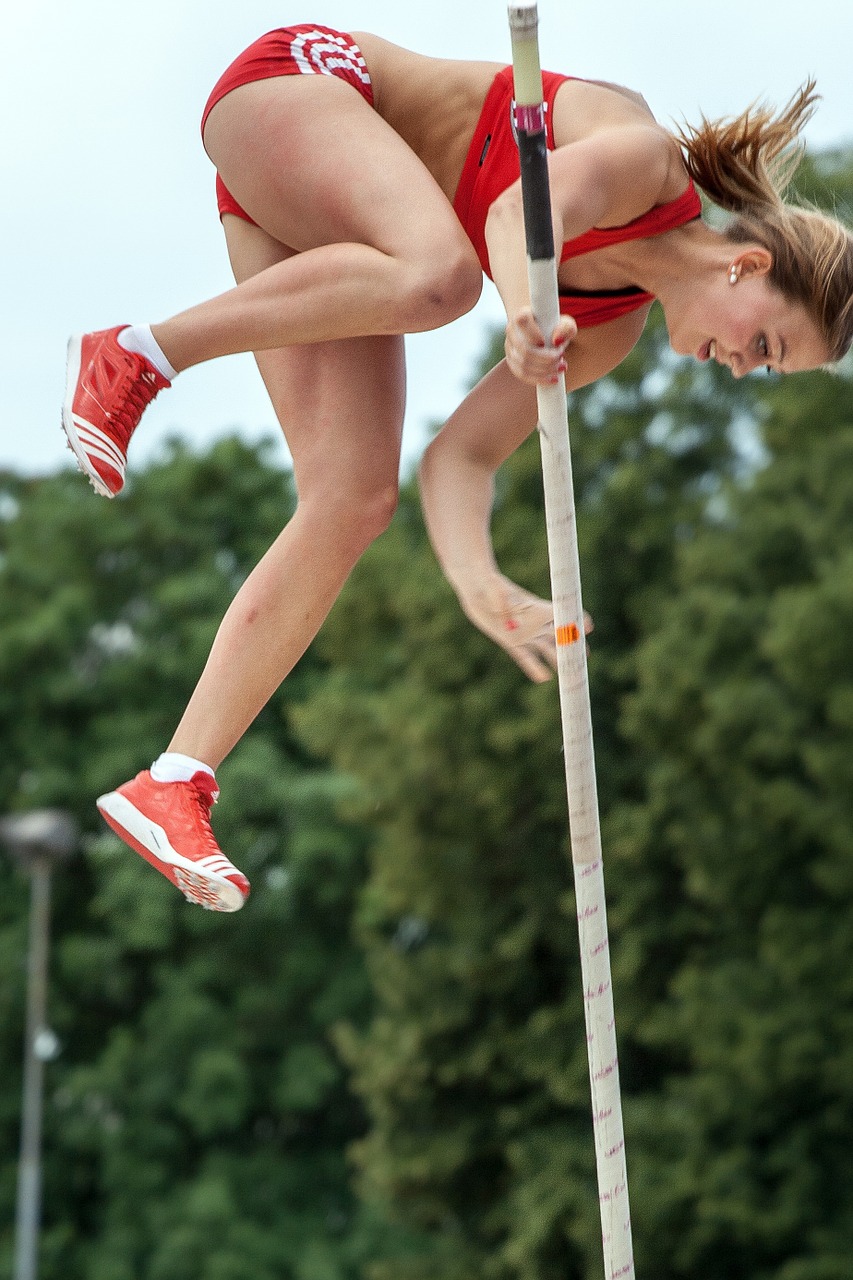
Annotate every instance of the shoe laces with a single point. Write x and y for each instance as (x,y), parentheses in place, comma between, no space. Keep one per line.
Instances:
(134,395)
(205,793)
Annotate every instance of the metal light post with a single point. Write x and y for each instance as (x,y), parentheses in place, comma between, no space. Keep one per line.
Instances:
(36,840)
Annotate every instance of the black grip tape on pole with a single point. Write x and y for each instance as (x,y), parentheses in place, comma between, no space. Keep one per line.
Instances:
(536,195)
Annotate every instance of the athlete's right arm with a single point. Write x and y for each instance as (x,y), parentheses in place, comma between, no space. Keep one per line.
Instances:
(457,474)
(531,357)
(603,180)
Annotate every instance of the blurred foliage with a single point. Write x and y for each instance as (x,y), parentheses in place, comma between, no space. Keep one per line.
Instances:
(198,1116)
(378,1069)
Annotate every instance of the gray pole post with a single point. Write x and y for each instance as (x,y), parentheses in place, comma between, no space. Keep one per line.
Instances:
(36,840)
(28,1213)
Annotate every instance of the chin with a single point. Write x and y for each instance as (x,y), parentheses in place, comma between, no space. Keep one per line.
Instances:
(677,346)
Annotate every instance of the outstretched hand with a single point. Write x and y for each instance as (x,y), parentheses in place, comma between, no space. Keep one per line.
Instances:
(520,622)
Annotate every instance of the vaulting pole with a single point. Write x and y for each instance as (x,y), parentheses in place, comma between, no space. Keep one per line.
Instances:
(571,658)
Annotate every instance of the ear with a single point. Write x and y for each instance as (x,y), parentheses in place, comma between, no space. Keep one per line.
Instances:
(753,261)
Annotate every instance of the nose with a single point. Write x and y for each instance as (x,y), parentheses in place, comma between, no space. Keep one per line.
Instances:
(730,358)
(740,365)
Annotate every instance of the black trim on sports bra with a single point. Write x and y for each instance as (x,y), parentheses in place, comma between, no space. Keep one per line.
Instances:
(602,293)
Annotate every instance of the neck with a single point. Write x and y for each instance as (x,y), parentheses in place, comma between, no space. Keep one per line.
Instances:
(669,265)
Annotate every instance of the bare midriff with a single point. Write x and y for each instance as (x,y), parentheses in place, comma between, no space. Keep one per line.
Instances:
(432,103)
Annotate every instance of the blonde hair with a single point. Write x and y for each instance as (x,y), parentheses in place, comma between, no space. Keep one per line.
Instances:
(744,164)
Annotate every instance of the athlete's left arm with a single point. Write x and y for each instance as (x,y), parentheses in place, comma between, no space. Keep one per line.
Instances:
(457,474)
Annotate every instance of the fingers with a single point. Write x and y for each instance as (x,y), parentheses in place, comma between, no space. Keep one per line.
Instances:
(529,356)
(536,654)
(537,657)
(529,639)
(520,622)
(566,331)
(533,666)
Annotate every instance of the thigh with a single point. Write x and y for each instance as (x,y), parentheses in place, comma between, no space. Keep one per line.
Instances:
(313,164)
(340,404)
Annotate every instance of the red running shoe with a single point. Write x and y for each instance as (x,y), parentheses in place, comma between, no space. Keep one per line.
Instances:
(106,393)
(169,824)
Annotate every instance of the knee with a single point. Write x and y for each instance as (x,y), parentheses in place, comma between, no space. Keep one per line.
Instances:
(442,291)
(372,515)
(356,518)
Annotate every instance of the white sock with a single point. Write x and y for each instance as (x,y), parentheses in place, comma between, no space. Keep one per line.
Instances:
(171,766)
(139,339)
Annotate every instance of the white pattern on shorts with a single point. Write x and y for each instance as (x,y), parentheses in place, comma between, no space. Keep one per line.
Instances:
(319,53)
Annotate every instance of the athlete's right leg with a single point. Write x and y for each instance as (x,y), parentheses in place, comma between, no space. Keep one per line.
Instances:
(380,249)
(380,252)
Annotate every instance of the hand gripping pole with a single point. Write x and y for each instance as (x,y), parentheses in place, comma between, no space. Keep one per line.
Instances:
(571,657)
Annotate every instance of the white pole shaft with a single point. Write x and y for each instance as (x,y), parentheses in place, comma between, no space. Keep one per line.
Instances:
(572,668)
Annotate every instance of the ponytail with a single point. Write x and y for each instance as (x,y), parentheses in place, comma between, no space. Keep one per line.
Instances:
(745,163)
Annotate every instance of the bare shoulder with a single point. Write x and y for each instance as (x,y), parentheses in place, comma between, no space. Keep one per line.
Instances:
(631,94)
(584,107)
(608,140)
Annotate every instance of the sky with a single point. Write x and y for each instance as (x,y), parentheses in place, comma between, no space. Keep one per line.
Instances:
(108,213)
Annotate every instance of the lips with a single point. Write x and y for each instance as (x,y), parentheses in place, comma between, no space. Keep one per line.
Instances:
(708,351)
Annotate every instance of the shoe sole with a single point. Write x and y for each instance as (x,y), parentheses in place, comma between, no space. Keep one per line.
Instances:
(75,349)
(197,883)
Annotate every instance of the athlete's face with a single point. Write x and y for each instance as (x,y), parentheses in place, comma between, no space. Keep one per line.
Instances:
(748,325)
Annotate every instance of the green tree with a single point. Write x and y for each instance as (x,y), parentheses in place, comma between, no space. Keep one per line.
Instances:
(745,706)
(198,1117)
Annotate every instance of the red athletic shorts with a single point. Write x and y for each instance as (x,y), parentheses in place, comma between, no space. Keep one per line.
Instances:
(289,51)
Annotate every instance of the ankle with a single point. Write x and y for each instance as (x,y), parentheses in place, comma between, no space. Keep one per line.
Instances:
(167,340)
(140,339)
(172,766)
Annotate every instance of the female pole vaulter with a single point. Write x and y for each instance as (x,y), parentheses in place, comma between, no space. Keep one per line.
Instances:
(363,190)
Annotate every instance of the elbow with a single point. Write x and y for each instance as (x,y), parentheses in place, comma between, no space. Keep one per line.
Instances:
(506,210)
(505,224)
(438,473)
(427,466)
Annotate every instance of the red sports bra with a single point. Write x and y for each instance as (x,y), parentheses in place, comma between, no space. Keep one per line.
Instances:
(492,165)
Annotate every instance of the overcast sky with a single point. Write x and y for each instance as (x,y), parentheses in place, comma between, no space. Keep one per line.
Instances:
(108,212)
